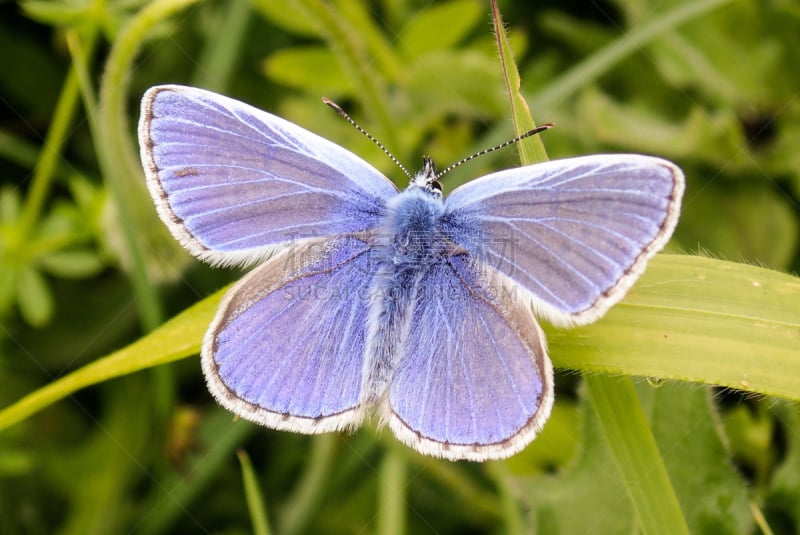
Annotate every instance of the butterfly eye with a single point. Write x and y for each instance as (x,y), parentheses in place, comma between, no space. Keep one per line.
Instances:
(435,187)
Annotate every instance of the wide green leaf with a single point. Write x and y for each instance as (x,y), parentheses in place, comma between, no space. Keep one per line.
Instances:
(440,26)
(689,435)
(697,319)
(591,479)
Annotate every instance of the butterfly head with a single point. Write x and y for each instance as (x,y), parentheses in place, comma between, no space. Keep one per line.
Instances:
(425,179)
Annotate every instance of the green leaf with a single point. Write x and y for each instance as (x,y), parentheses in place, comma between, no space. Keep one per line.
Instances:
(8,288)
(555,445)
(583,35)
(289,16)
(34,298)
(146,242)
(72,264)
(713,137)
(309,69)
(783,500)
(10,204)
(713,496)
(786,156)
(750,429)
(16,149)
(586,497)
(62,220)
(593,66)
(471,77)
(343,36)
(439,27)
(761,224)
(307,494)
(370,34)
(57,13)
(696,319)
(706,55)
(16,463)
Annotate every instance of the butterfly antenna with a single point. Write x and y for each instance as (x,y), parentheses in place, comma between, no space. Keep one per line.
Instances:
(350,120)
(529,133)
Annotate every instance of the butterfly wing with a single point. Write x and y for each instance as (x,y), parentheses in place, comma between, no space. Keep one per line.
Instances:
(474,380)
(575,233)
(286,348)
(231,181)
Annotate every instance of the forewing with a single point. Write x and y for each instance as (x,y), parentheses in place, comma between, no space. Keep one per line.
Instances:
(231,181)
(575,233)
(474,380)
(286,348)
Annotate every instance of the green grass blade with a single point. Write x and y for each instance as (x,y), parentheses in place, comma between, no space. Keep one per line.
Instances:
(118,158)
(637,456)
(252,493)
(297,511)
(594,65)
(50,155)
(393,502)
(531,150)
(219,436)
(514,523)
(215,65)
(178,338)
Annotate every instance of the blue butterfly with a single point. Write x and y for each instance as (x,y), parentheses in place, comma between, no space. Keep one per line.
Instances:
(410,305)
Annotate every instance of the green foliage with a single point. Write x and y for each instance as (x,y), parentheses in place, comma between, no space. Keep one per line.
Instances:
(255,499)
(106,425)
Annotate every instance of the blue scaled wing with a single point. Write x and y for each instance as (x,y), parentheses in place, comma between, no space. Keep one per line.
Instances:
(575,233)
(473,380)
(286,347)
(231,181)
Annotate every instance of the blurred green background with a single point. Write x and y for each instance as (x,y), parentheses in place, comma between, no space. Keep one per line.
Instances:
(86,267)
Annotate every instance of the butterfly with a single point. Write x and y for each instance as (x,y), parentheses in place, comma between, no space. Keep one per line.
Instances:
(410,305)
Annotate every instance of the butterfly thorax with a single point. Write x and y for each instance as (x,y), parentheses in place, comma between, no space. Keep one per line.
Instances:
(409,231)
(409,243)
